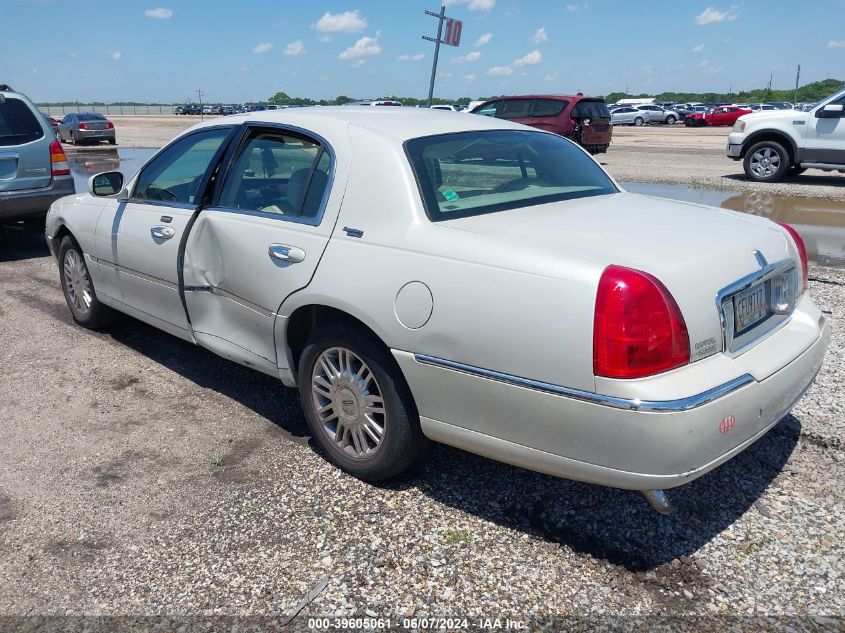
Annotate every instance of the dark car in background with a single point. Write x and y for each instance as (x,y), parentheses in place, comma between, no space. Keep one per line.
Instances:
(86,127)
(585,120)
(33,167)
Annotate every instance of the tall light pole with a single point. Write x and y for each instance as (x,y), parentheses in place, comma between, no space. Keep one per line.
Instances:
(200,93)
(797,77)
(436,40)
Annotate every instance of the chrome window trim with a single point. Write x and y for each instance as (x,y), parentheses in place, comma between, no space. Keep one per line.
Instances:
(735,345)
(325,146)
(630,404)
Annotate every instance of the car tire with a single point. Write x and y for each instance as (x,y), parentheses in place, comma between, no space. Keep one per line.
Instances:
(112,141)
(638,121)
(766,161)
(670,120)
(344,372)
(78,287)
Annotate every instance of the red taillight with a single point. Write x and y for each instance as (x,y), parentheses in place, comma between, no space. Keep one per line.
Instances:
(109,125)
(58,160)
(638,329)
(83,126)
(802,251)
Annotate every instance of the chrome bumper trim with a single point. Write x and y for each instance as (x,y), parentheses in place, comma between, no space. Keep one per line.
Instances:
(659,406)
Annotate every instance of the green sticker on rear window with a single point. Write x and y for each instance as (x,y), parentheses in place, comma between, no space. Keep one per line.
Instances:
(450,195)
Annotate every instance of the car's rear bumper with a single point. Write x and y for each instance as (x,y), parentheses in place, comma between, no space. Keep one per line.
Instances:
(95,135)
(603,442)
(26,203)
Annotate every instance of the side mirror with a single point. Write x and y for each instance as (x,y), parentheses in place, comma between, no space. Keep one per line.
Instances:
(107,184)
(830,111)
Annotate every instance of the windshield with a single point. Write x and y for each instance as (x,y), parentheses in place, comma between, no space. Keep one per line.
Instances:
(472,173)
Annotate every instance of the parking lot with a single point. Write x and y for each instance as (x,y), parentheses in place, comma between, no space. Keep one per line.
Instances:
(142,476)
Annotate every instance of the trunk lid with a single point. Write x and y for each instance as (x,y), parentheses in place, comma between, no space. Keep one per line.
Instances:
(695,250)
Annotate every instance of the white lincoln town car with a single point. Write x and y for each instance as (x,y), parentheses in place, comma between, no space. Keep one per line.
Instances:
(420,276)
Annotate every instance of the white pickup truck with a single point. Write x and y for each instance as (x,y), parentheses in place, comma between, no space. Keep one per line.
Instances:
(783,143)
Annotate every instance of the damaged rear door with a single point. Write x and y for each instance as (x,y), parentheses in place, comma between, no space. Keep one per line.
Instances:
(259,241)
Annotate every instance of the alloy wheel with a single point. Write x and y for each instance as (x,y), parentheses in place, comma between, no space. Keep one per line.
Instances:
(348,402)
(77,282)
(765,162)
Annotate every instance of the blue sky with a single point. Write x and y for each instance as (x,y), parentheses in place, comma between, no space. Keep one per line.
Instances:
(163,50)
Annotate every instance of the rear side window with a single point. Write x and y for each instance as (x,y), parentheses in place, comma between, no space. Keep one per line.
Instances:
(514,109)
(590,110)
(548,107)
(91,116)
(278,173)
(18,125)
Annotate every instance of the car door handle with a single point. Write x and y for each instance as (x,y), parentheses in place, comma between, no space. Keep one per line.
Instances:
(163,232)
(285,253)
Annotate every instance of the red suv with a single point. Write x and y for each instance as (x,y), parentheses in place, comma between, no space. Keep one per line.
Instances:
(585,120)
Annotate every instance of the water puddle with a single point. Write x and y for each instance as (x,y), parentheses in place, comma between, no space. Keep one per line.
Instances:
(820,223)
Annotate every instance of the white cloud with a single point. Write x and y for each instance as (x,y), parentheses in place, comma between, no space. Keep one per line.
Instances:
(550,77)
(295,48)
(836,44)
(403,58)
(117,56)
(500,70)
(358,63)
(711,15)
(472,56)
(474,5)
(704,63)
(469,78)
(484,39)
(263,47)
(346,22)
(572,7)
(698,49)
(417,57)
(159,14)
(540,36)
(365,47)
(531,59)
(412,58)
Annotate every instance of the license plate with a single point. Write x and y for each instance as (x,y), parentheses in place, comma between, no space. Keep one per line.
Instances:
(750,306)
(98,133)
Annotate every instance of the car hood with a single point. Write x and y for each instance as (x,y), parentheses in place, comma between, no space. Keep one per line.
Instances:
(771,115)
(695,250)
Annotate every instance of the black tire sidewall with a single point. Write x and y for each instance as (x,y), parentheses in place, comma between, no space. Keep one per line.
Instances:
(638,121)
(403,441)
(671,120)
(782,171)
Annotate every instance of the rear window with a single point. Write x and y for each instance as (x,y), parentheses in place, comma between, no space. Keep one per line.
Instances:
(473,173)
(590,110)
(92,116)
(18,125)
(549,107)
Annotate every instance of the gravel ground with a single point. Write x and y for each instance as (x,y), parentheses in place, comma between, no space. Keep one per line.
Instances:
(142,476)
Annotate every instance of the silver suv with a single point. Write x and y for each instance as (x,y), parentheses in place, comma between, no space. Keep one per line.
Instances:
(34,170)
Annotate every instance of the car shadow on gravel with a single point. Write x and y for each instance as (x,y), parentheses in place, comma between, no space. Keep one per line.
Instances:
(263,394)
(22,241)
(615,525)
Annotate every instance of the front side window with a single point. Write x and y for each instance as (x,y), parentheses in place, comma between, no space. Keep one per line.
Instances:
(473,173)
(280,174)
(488,110)
(18,125)
(175,175)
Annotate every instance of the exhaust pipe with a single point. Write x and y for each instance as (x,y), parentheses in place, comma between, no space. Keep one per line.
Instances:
(657,500)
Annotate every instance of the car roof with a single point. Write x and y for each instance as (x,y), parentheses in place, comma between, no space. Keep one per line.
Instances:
(400,124)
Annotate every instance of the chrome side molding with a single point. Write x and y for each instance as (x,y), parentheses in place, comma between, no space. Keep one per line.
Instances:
(659,406)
